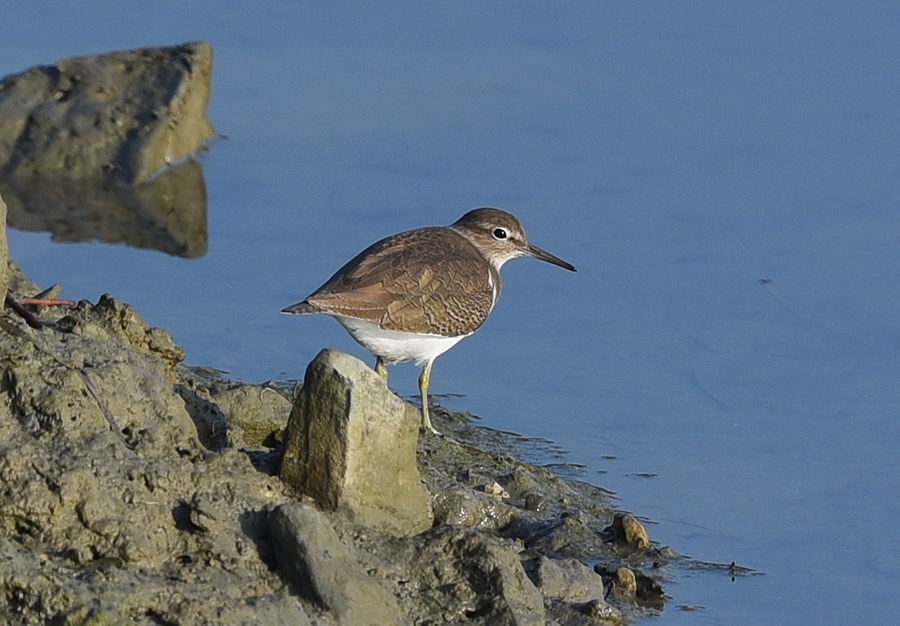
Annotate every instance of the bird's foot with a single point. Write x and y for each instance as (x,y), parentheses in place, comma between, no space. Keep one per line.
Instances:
(381,369)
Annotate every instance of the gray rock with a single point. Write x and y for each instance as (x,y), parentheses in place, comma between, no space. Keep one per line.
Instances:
(460,575)
(627,529)
(233,414)
(18,282)
(573,593)
(41,589)
(634,586)
(318,566)
(568,579)
(576,530)
(213,428)
(351,444)
(599,612)
(468,507)
(626,581)
(259,415)
(123,115)
(107,494)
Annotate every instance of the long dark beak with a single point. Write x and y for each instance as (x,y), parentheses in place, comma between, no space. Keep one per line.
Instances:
(533,251)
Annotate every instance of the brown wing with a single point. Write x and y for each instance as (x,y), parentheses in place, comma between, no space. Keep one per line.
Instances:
(429,280)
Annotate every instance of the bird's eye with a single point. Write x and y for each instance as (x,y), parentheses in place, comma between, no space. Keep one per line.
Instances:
(500,233)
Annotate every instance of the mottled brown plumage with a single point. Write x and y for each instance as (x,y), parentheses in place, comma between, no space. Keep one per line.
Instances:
(419,281)
(413,295)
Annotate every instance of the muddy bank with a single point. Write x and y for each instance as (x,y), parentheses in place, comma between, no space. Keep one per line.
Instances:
(135,490)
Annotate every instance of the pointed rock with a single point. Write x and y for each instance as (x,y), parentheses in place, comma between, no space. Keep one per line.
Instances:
(351,444)
(312,559)
(123,115)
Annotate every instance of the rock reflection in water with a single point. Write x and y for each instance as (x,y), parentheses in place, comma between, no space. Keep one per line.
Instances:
(167,213)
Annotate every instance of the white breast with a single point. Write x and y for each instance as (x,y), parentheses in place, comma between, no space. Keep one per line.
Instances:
(395,346)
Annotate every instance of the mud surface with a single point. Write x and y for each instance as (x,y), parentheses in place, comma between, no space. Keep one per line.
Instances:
(135,490)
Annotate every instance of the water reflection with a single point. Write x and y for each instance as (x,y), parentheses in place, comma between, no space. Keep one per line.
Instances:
(167,213)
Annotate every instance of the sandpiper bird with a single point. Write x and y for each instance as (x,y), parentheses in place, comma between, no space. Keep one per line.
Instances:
(414,295)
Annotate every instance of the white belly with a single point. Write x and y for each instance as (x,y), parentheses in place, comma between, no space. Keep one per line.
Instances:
(395,346)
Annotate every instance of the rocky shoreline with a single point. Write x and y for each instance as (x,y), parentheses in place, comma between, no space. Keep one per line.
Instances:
(136,490)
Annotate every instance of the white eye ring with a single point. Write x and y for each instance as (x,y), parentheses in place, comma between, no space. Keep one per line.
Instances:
(500,233)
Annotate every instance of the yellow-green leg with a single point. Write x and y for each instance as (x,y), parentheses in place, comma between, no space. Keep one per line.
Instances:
(424,379)
(381,369)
